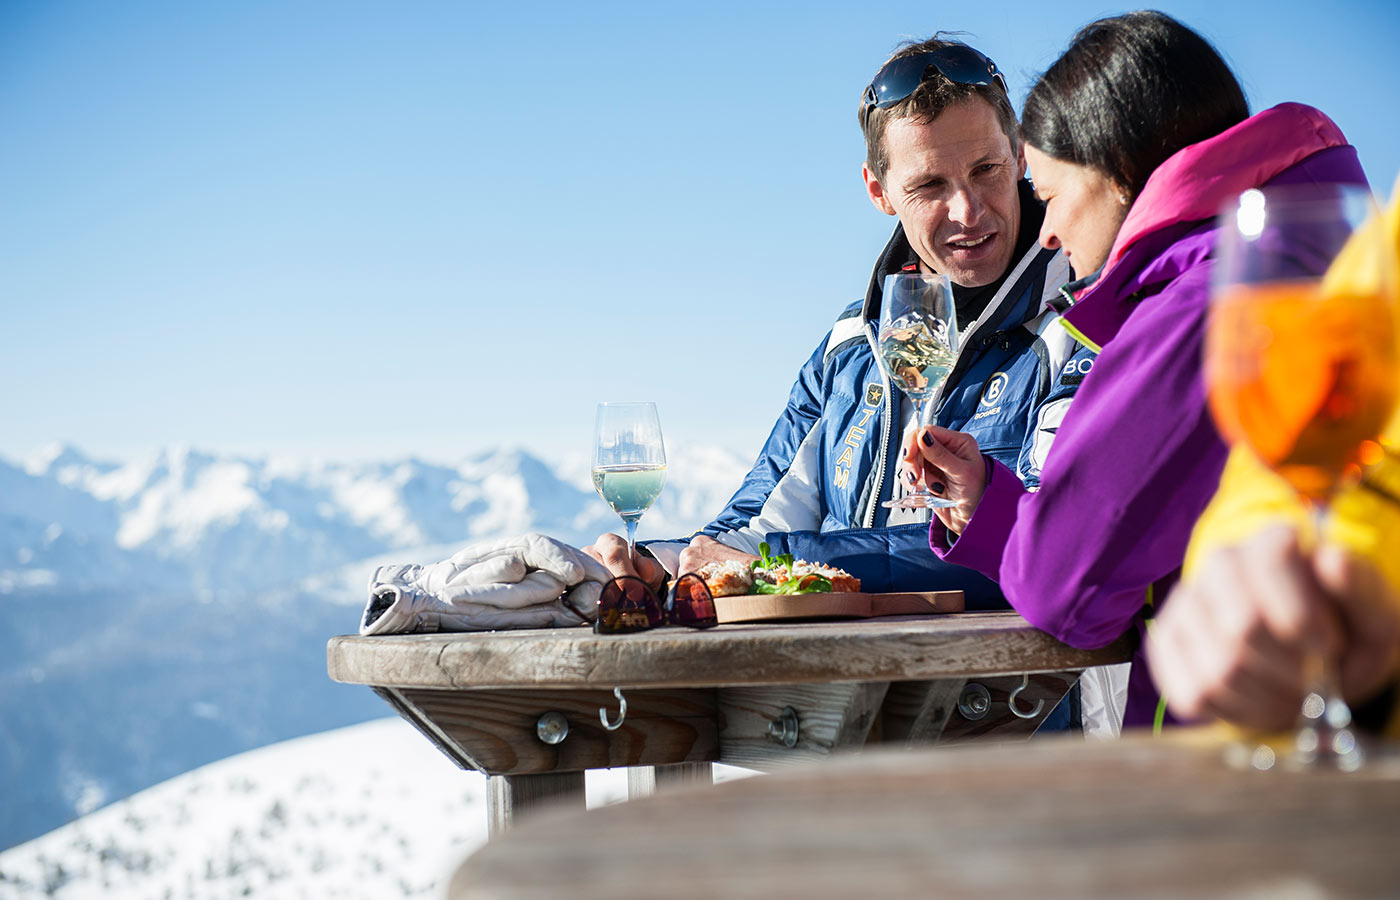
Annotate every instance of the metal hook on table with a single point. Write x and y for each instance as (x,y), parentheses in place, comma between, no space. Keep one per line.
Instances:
(1011,700)
(621,712)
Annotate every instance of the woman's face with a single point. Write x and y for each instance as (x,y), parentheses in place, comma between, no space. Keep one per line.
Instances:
(1083,210)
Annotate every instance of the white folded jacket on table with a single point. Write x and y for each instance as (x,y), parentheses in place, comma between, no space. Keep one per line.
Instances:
(530,581)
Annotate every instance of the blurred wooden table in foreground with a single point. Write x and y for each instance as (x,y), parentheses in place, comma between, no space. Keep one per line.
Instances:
(523,706)
(1161,817)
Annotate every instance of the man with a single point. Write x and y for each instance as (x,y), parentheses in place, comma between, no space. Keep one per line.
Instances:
(943,155)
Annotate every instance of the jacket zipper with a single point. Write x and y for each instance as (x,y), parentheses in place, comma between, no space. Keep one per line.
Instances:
(884,428)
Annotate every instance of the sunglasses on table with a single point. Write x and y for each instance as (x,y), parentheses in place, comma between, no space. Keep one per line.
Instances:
(628,604)
(900,77)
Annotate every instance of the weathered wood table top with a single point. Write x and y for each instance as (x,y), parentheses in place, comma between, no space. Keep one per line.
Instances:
(889,649)
(1061,817)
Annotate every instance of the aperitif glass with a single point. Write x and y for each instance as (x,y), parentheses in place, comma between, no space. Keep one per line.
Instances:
(1301,369)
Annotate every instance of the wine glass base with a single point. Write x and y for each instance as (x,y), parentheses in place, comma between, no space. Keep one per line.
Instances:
(919,501)
(1340,751)
(1327,748)
(1324,739)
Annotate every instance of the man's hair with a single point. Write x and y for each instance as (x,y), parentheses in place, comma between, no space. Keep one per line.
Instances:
(1129,92)
(929,99)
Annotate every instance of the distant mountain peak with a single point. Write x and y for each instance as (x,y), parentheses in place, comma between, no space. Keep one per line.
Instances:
(61,455)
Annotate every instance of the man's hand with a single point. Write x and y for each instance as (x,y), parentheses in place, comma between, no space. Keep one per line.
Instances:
(1370,614)
(611,550)
(1233,642)
(950,465)
(704,550)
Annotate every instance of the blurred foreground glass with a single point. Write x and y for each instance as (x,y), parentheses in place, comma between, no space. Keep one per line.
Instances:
(1301,368)
(629,460)
(917,345)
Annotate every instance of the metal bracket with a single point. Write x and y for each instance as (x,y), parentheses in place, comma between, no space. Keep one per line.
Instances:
(786,728)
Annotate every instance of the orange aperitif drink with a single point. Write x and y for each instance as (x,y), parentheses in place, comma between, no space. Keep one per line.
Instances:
(1302,378)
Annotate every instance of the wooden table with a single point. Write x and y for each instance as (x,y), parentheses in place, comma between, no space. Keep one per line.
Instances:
(762,696)
(1060,817)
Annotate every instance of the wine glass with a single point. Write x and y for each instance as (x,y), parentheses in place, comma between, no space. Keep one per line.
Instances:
(917,345)
(1301,369)
(629,460)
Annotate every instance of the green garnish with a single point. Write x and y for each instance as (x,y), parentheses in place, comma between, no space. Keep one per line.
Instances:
(811,584)
(765,561)
(808,584)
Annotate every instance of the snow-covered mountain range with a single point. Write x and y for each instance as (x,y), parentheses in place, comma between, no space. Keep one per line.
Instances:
(160,614)
(227,525)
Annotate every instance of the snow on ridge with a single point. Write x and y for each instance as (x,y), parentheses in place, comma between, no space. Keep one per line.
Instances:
(190,501)
(371,810)
(363,812)
(368,811)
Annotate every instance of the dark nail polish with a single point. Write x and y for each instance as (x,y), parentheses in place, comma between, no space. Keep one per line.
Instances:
(927,439)
(936,487)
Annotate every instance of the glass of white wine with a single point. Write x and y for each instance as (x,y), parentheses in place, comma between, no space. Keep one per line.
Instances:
(629,460)
(917,345)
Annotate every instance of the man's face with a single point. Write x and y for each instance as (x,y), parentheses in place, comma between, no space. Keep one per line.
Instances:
(952,182)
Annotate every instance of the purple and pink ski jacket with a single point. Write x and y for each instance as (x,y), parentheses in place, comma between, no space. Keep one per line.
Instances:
(1137,457)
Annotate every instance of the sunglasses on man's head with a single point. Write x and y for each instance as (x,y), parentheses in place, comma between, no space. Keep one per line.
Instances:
(900,77)
(628,604)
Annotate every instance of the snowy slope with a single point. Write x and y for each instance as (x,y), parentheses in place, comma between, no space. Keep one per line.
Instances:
(370,811)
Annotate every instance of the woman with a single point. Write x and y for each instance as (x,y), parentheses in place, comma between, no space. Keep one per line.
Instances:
(1136,136)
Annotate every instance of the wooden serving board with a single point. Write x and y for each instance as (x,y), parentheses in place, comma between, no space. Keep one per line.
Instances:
(770,607)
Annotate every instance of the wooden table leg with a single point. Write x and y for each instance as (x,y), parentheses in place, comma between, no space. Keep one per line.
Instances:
(916,712)
(684,774)
(643,781)
(509,797)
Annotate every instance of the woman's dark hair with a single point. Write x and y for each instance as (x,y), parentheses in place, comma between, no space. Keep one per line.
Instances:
(1129,92)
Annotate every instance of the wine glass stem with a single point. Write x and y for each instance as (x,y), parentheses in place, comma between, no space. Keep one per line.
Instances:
(921,489)
(631,536)
(1324,729)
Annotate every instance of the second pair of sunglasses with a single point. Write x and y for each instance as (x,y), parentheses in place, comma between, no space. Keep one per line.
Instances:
(628,604)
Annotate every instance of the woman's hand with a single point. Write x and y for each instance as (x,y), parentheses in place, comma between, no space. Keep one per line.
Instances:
(949,464)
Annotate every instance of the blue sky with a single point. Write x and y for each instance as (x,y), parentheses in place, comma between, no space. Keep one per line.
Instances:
(360,229)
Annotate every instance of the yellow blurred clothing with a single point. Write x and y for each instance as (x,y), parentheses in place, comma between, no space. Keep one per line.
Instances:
(1365,518)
